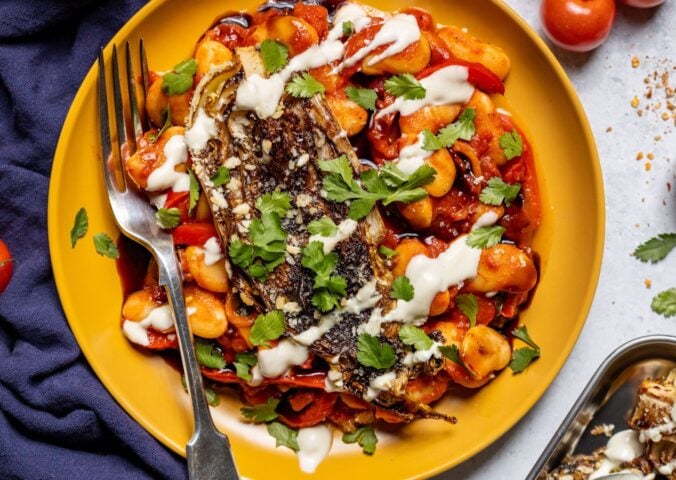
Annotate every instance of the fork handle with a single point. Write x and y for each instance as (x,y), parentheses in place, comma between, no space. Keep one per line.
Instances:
(208,451)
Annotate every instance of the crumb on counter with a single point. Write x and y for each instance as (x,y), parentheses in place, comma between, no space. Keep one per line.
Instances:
(609,129)
(604,429)
(651,156)
(648,166)
(635,102)
(648,283)
(639,156)
(635,62)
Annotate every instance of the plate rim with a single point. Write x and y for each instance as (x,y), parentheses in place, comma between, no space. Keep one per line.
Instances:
(56,173)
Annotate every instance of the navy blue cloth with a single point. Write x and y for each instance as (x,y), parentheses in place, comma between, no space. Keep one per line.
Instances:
(56,419)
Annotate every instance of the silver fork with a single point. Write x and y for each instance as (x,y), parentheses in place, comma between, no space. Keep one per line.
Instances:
(208,451)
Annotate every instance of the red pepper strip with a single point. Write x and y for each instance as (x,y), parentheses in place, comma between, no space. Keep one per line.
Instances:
(479,76)
(321,407)
(180,200)
(161,341)
(313,380)
(193,233)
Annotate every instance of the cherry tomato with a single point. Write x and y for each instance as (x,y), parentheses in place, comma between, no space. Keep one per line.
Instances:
(642,3)
(5,266)
(193,233)
(577,25)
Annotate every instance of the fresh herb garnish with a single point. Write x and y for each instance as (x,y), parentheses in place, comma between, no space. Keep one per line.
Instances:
(168,217)
(366,438)
(324,227)
(181,79)
(461,129)
(512,144)
(485,237)
(209,393)
(402,289)
(274,54)
(522,357)
(656,248)
(304,86)
(264,412)
(284,436)
(372,353)
(221,177)
(153,137)
(430,141)
(498,191)
(80,227)
(412,335)
(453,354)
(364,97)
(266,327)
(194,192)
(387,252)
(388,185)
(348,28)
(405,85)
(276,202)
(468,304)
(664,303)
(105,246)
(243,363)
(328,288)
(208,355)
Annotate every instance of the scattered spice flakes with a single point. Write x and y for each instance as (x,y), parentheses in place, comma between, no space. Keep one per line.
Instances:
(604,429)
(635,102)
(648,166)
(668,187)
(651,156)
(639,156)
(648,283)
(635,62)
(666,116)
(609,129)
(658,138)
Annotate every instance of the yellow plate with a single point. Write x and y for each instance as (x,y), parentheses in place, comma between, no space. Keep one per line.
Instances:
(570,242)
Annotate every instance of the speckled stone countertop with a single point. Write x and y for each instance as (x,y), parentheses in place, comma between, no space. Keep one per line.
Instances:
(639,205)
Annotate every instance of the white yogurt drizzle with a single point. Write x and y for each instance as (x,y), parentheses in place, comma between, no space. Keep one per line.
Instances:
(275,362)
(314,444)
(165,176)
(345,229)
(413,156)
(160,319)
(422,356)
(203,129)
(212,251)
(446,86)
(622,447)
(381,383)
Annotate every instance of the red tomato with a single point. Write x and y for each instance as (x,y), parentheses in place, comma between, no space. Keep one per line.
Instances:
(5,266)
(642,3)
(577,25)
(193,233)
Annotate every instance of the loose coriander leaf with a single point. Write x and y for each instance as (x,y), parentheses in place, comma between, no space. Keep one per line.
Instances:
(461,129)
(105,246)
(194,192)
(430,141)
(80,227)
(361,208)
(274,54)
(664,303)
(410,190)
(412,335)
(512,144)
(275,202)
(348,28)
(304,86)
(324,300)
(340,165)
(269,326)
(372,353)
(522,334)
(391,175)
(485,237)
(366,438)
(656,248)
(243,363)
(187,67)
(284,436)
(261,413)
(468,304)
(405,85)
(180,80)
(324,227)
(364,97)
(221,177)
(523,357)
(453,354)
(212,397)
(240,253)
(167,124)
(387,252)
(208,355)
(168,217)
(402,289)
(498,191)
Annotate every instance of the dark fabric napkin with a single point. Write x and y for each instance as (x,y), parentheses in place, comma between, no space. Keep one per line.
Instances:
(56,419)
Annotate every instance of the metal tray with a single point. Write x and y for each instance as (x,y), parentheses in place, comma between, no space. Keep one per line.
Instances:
(609,398)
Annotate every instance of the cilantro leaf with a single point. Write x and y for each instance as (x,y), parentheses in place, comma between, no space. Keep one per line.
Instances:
(264,412)
(269,326)
(402,289)
(656,248)
(194,192)
(387,252)
(366,438)
(522,357)
(405,85)
(105,246)
(274,54)
(664,303)
(412,335)
(485,237)
(512,144)
(80,227)
(241,253)
(304,86)
(348,28)
(522,334)
(221,177)
(243,363)
(329,289)
(372,353)
(275,202)
(324,227)
(153,137)
(461,129)
(211,396)
(498,191)
(430,141)
(186,67)
(410,190)
(181,79)
(453,354)
(284,436)
(168,217)
(208,355)
(468,304)
(364,97)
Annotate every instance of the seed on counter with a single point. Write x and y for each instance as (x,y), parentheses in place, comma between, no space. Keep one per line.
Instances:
(648,283)
(651,156)
(609,129)
(635,102)
(666,116)
(635,62)
(648,166)
(639,156)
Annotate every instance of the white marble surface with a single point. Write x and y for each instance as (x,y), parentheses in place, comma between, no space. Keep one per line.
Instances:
(638,206)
